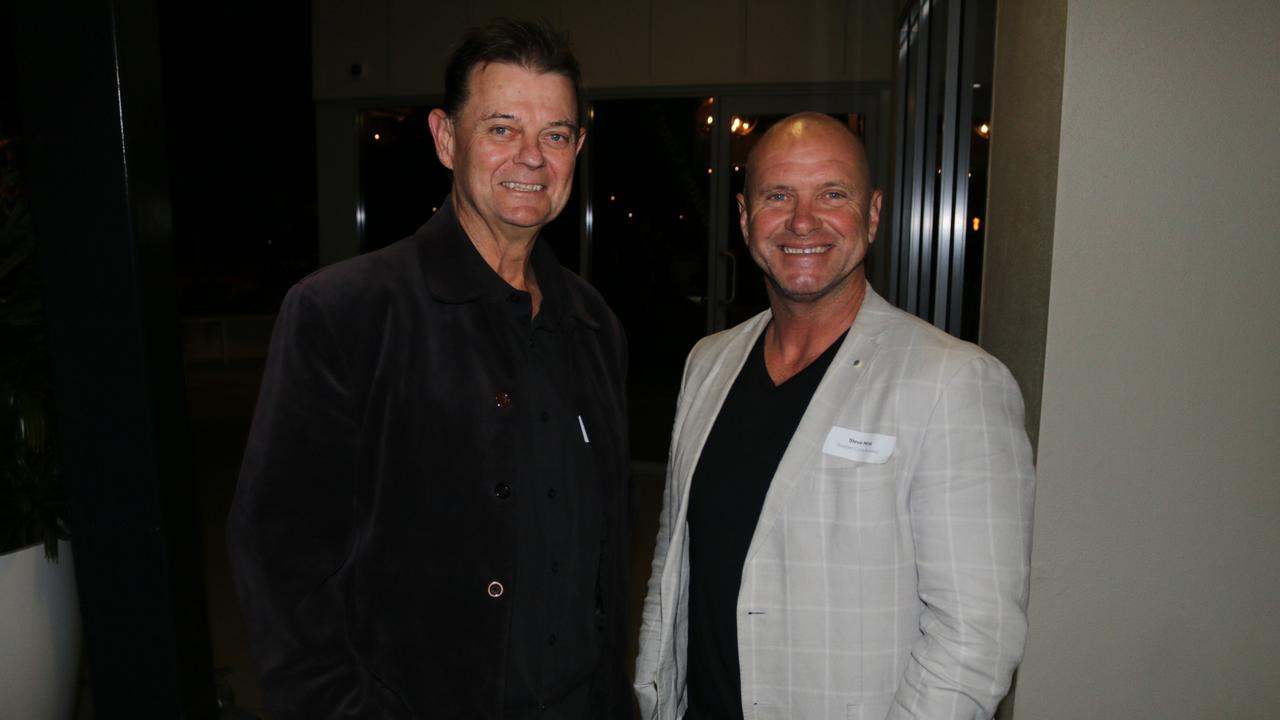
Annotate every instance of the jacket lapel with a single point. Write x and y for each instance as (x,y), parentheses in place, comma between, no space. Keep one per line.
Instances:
(847,371)
(710,384)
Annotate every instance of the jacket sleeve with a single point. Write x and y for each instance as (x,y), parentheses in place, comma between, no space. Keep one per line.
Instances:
(650,654)
(970,505)
(290,526)
(649,658)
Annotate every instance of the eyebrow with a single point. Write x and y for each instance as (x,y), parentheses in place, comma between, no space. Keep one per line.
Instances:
(764,190)
(562,122)
(824,186)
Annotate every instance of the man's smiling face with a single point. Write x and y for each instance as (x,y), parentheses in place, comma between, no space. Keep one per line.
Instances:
(512,148)
(808,213)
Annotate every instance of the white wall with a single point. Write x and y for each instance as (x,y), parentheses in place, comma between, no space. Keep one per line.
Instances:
(1156,582)
(1022,190)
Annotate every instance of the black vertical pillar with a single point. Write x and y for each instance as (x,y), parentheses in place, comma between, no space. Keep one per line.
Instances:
(90,79)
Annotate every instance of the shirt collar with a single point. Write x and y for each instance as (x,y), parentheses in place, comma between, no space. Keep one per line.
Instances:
(456,273)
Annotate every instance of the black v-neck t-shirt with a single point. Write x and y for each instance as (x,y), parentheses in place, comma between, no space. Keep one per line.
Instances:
(741,455)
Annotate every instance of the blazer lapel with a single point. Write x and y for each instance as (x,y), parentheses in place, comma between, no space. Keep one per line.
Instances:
(847,370)
(710,390)
(708,382)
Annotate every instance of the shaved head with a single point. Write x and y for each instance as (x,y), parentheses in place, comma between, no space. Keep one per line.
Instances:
(801,126)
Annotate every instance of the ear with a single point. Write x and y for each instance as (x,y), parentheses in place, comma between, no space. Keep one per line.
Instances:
(744,218)
(873,215)
(442,132)
(582,138)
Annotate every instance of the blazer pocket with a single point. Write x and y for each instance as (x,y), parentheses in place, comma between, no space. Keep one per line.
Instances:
(869,476)
(849,490)
(873,708)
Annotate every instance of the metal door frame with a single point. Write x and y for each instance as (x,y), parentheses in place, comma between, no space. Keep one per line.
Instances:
(934,101)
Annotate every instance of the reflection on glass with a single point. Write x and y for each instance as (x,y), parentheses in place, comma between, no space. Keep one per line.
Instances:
(975,236)
(650,211)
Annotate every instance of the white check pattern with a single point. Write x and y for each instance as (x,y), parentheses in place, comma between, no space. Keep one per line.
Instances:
(894,590)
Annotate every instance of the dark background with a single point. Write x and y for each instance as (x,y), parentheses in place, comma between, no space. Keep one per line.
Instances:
(240,126)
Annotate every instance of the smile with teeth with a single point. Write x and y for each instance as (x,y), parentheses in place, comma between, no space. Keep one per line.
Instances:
(522,187)
(815,250)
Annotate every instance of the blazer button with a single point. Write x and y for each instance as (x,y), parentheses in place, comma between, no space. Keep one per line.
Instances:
(502,399)
(502,491)
(495,589)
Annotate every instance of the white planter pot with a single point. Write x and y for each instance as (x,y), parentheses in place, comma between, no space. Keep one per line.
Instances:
(39,635)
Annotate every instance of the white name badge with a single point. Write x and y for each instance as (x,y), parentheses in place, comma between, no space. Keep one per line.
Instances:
(859,446)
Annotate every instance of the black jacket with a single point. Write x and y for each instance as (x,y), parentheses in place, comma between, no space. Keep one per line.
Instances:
(366,533)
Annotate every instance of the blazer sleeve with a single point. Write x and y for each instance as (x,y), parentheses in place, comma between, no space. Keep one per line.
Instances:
(649,658)
(650,654)
(971,499)
(290,526)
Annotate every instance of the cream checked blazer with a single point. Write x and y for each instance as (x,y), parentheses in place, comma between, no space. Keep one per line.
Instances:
(888,573)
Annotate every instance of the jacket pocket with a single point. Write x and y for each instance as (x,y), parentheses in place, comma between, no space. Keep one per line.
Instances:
(873,708)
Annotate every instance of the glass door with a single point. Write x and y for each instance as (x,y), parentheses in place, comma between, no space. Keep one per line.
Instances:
(653,220)
(660,222)
(646,222)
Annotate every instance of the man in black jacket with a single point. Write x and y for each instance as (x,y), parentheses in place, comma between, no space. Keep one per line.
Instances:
(431,519)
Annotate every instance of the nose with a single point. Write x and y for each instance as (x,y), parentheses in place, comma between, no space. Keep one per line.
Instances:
(802,220)
(530,151)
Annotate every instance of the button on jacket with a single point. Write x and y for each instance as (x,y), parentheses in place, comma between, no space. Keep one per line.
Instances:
(371,535)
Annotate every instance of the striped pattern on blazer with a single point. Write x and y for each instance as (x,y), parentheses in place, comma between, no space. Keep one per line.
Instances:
(882,584)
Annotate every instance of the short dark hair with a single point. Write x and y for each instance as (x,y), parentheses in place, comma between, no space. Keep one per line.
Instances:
(532,44)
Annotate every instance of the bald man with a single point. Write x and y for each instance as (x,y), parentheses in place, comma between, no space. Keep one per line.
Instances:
(846,527)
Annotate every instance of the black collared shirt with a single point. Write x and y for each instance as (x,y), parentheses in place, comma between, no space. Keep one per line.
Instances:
(555,625)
